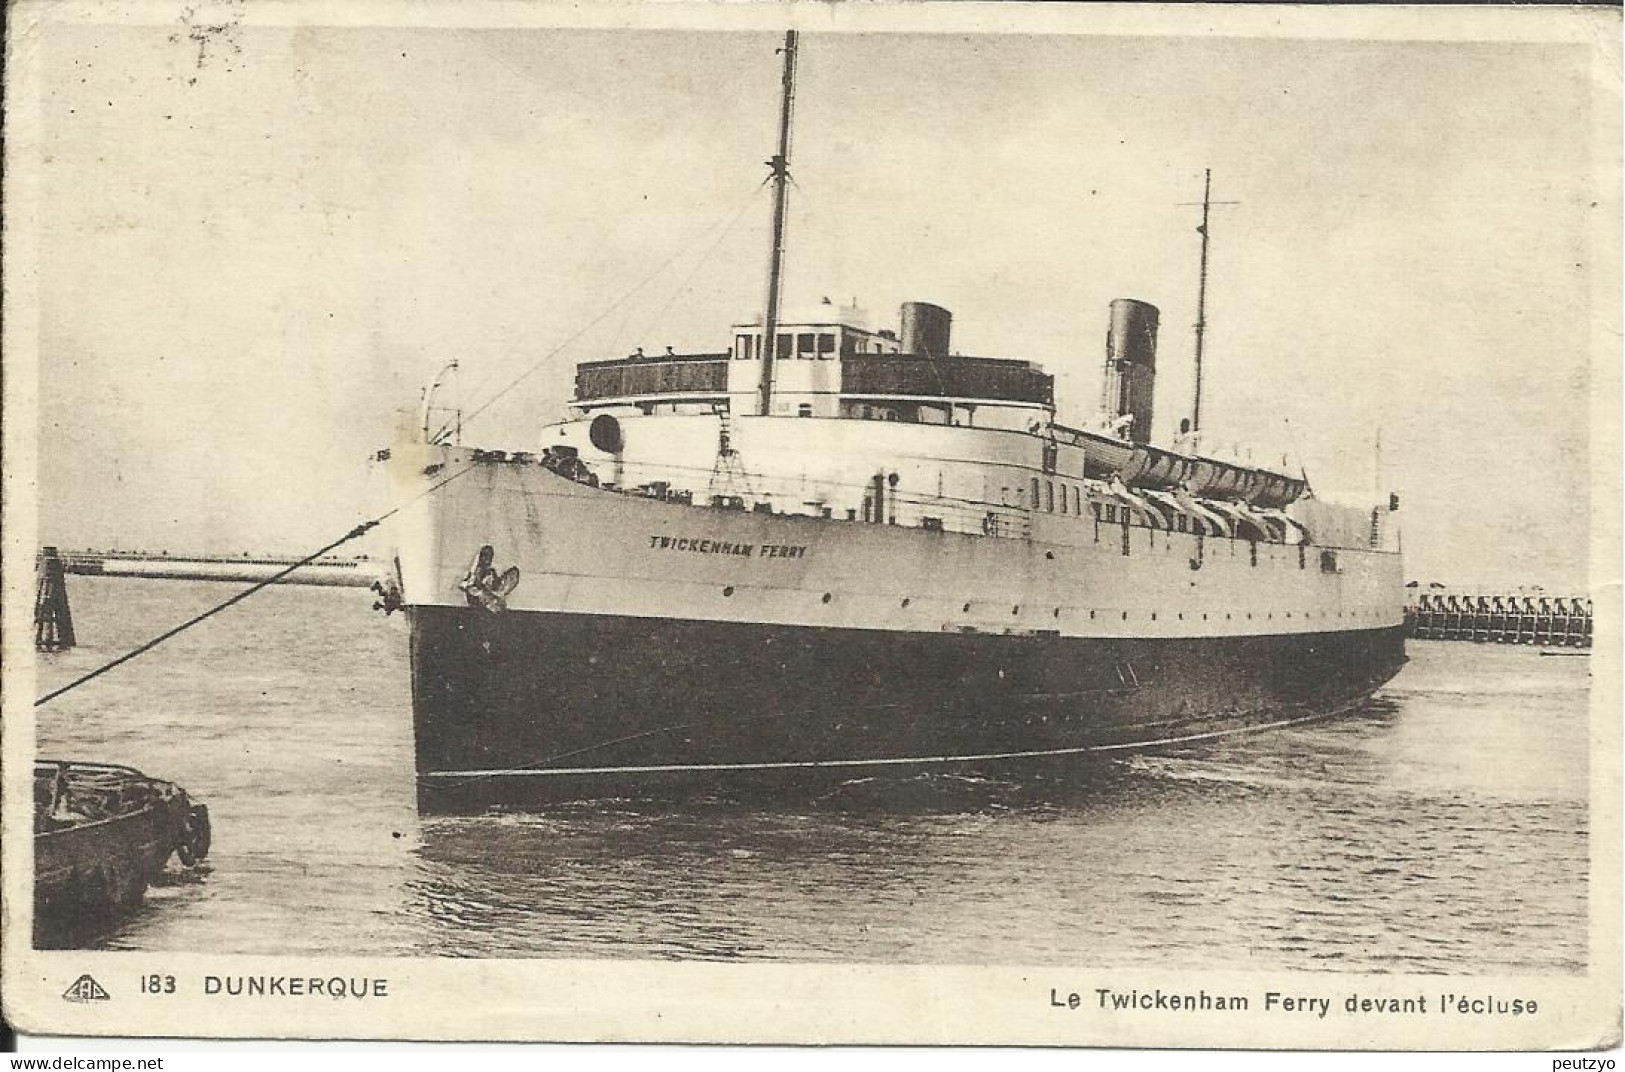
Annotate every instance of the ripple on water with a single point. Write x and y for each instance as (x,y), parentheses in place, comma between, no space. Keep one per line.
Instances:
(1442,828)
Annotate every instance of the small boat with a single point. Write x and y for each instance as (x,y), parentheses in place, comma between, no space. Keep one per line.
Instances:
(102,834)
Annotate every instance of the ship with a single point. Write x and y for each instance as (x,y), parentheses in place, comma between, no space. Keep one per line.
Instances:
(830,549)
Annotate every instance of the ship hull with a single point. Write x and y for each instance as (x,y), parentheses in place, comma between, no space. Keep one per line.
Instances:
(570,641)
(520,707)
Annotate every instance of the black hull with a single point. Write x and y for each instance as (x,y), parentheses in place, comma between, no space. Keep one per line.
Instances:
(87,878)
(520,708)
(102,834)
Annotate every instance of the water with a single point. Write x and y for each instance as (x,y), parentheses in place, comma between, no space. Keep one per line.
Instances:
(1441,829)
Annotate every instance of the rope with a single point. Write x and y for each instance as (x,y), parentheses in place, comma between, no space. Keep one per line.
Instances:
(604,315)
(1303,472)
(682,287)
(142,649)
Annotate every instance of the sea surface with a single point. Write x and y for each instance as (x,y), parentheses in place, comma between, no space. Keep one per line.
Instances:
(1442,828)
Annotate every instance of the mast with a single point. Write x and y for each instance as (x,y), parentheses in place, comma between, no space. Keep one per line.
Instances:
(780,177)
(1376,462)
(1201,292)
(1201,298)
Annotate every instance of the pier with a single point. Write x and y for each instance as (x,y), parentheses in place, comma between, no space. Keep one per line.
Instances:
(1503,618)
(332,572)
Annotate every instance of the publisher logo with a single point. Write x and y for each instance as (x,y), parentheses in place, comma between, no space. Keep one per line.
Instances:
(85,988)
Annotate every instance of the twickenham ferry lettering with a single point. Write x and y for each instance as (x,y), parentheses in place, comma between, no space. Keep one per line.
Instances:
(701,546)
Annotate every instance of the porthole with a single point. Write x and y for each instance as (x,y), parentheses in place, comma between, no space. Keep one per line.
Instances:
(1057,612)
(1125,615)
(1049,555)
(828,597)
(1015,609)
(1091,616)
(907,601)
(728,591)
(1153,615)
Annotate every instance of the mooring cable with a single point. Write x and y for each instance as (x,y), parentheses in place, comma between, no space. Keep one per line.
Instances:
(722,236)
(142,649)
(727,223)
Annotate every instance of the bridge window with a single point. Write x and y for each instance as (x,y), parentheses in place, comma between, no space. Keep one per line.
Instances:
(1063,498)
(826,344)
(1049,495)
(742,347)
(785,342)
(804,410)
(1035,493)
(849,345)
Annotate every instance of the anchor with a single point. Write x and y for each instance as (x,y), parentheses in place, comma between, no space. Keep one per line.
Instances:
(486,588)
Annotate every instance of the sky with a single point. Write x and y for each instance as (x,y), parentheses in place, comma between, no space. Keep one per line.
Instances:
(257,243)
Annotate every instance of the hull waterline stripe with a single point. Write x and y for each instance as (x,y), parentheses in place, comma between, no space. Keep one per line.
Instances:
(898,761)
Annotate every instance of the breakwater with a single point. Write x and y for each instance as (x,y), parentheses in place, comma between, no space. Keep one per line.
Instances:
(1500,618)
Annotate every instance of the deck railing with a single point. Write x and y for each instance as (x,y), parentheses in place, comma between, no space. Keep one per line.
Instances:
(948,377)
(681,374)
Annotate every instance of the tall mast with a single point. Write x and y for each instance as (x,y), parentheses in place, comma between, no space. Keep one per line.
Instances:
(780,176)
(1201,298)
(1201,292)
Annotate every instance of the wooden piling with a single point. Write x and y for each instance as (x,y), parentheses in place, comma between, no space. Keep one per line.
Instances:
(53,620)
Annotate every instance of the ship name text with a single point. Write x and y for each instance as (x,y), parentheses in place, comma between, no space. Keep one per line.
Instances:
(701,546)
